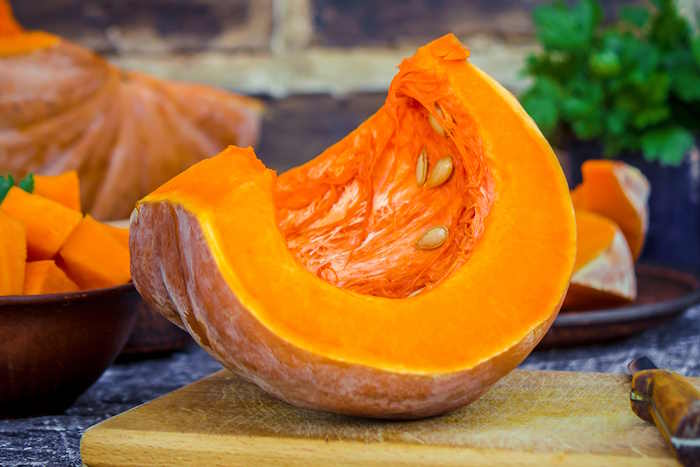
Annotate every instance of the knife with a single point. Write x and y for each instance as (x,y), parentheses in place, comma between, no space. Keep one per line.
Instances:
(670,402)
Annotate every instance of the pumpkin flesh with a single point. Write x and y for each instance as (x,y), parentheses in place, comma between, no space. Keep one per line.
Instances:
(13,255)
(334,327)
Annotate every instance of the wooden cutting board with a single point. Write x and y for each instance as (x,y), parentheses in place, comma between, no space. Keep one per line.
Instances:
(528,418)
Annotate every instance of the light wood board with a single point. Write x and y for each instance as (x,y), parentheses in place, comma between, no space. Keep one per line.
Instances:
(528,418)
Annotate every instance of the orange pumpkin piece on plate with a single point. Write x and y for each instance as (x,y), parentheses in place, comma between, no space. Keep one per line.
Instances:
(619,192)
(45,277)
(63,188)
(604,270)
(398,274)
(93,258)
(47,223)
(13,255)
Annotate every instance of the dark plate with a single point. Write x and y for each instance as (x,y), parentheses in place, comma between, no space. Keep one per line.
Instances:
(663,293)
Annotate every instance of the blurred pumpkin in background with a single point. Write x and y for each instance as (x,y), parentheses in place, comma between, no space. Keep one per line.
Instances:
(64,108)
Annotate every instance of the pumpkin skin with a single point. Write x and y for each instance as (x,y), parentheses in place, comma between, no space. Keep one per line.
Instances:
(64,108)
(604,269)
(213,251)
(619,192)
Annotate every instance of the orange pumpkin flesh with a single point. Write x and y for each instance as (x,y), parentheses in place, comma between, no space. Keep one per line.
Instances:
(63,188)
(604,269)
(619,192)
(13,254)
(93,257)
(48,223)
(44,277)
(301,283)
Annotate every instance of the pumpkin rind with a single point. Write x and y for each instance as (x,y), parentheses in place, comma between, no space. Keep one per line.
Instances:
(207,253)
(604,272)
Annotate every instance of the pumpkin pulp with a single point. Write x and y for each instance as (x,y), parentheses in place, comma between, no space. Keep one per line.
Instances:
(501,275)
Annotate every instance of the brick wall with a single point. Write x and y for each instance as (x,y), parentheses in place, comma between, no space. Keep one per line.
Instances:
(321,65)
(279,47)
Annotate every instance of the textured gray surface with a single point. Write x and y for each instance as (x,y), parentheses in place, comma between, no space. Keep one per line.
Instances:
(55,440)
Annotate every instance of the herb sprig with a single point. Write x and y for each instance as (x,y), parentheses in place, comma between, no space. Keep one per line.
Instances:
(633,85)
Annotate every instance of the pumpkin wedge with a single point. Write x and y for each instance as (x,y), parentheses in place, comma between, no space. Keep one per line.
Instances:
(619,192)
(604,269)
(13,254)
(398,275)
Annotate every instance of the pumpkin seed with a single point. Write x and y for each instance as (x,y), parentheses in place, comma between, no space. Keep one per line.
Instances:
(441,172)
(433,238)
(422,168)
(436,125)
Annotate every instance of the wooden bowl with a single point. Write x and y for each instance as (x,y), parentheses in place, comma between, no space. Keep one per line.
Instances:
(53,347)
(153,335)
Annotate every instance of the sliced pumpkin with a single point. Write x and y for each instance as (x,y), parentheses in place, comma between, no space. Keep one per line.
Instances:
(619,192)
(63,188)
(94,258)
(377,279)
(13,255)
(47,223)
(604,270)
(44,277)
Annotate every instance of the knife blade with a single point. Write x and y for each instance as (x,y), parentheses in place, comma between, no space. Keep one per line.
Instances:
(669,401)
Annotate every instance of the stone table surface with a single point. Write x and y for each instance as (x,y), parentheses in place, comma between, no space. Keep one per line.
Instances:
(55,440)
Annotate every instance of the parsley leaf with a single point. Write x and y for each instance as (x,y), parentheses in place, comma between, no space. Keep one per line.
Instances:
(633,85)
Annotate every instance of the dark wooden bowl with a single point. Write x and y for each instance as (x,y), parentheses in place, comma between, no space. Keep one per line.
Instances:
(53,347)
(153,335)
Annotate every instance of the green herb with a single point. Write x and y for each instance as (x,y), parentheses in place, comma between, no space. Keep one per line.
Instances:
(633,85)
(27,183)
(7,182)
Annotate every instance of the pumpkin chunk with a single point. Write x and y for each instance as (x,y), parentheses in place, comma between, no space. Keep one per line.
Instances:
(604,270)
(47,223)
(13,255)
(93,258)
(63,188)
(348,284)
(619,192)
(119,233)
(44,277)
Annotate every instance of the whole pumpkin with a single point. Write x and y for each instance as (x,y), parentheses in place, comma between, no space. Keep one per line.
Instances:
(64,108)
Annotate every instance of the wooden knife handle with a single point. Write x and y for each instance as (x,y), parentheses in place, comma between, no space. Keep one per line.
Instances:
(673,405)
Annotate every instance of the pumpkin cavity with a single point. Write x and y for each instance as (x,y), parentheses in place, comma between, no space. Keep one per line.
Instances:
(363,215)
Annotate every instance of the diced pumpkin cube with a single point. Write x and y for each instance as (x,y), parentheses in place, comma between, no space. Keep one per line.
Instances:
(93,258)
(44,277)
(120,233)
(47,223)
(64,188)
(13,254)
